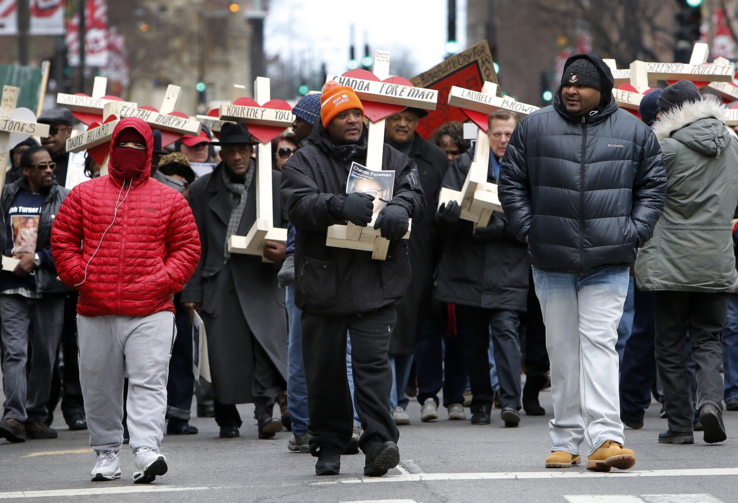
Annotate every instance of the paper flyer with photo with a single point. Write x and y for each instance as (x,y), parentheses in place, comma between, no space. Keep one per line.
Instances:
(200,360)
(379,184)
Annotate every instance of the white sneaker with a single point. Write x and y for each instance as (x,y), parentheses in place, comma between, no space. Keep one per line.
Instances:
(429,412)
(400,416)
(107,466)
(148,464)
(456,412)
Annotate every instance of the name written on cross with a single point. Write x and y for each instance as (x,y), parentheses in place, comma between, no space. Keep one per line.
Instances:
(370,89)
(11,126)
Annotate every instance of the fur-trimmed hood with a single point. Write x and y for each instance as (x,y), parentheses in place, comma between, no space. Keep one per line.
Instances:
(699,125)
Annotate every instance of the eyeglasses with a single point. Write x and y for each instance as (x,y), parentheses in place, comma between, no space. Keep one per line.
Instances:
(286,153)
(43,166)
(53,130)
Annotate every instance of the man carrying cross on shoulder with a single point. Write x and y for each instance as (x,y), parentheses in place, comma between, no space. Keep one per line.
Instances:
(583,184)
(340,289)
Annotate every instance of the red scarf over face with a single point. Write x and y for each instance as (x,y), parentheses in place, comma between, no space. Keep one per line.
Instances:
(129,162)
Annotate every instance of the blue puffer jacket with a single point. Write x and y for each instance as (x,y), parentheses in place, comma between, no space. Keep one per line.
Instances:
(585,192)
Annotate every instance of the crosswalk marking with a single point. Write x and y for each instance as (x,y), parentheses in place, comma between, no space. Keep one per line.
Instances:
(645,498)
(86,450)
(584,475)
(380,501)
(96,491)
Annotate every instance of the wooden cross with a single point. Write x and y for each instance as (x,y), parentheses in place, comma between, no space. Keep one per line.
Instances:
(374,94)
(81,104)
(629,94)
(211,120)
(276,116)
(16,124)
(478,198)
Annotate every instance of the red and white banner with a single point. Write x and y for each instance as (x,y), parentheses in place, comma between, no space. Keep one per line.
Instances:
(116,71)
(96,34)
(47,17)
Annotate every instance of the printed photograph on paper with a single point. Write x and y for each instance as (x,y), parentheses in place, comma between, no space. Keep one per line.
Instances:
(377,183)
(25,234)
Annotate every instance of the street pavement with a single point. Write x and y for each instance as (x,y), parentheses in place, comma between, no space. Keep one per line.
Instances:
(443,461)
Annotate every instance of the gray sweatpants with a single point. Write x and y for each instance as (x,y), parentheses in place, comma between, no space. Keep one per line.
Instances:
(112,348)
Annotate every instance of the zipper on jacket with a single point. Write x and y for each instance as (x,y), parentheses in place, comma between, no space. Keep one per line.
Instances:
(581,195)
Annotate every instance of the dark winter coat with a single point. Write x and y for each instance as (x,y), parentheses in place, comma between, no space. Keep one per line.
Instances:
(46,276)
(339,281)
(491,274)
(412,311)
(584,191)
(242,290)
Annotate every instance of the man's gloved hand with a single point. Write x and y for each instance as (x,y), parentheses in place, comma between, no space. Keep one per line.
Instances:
(494,230)
(448,213)
(286,274)
(393,221)
(357,208)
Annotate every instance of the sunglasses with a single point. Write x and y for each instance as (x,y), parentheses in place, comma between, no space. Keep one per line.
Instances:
(53,130)
(43,166)
(286,153)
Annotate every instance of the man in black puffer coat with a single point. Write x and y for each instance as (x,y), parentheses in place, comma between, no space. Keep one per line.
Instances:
(583,184)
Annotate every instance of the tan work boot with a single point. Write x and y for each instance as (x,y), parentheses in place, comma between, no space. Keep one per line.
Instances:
(611,455)
(562,459)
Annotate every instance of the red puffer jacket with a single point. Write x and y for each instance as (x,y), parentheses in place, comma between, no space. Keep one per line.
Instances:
(147,255)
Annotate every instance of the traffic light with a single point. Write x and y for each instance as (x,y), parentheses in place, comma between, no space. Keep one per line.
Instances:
(367,60)
(546,93)
(200,88)
(452,46)
(303,90)
(352,63)
(687,28)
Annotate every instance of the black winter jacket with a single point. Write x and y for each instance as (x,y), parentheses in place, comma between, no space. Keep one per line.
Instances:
(584,191)
(47,278)
(340,281)
(492,274)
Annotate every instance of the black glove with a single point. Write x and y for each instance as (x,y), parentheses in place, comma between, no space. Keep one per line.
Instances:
(494,230)
(448,213)
(393,220)
(357,208)
(286,274)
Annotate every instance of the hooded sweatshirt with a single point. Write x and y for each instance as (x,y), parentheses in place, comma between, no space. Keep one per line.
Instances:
(150,249)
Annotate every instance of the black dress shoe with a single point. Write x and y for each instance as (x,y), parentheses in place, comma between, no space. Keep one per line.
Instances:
(206,410)
(268,425)
(481,415)
(533,385)
(76,422)
(712,421)
(633,424)
(511,416)
(732,404)
(38,430)
(229,432)
(180,427)
(12,430)
(329,461)
(381,457)
(676,437)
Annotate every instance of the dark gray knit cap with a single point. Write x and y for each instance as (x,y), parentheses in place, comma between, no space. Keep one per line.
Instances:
(584,73)
(677,94)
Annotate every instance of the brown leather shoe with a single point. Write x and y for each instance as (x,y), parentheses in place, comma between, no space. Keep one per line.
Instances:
(611,455)
(12,430)
(286,420)
(38,430)
(562,459)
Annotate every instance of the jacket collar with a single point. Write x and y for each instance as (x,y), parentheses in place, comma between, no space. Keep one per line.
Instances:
(680,117)
(321,139)
(219,203)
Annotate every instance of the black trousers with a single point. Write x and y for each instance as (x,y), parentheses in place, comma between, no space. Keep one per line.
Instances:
(65,383)
(329,398)
(702,316)
(267,384)
(181,379)
(536,356)
(473,325)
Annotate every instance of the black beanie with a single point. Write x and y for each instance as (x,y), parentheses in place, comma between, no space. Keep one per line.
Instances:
(677,94)
(583,72)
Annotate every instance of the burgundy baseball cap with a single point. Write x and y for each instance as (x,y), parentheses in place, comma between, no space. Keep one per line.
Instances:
(191,141)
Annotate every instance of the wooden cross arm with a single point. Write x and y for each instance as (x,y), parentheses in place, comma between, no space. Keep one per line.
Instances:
(87,104)
(10,125)
(256,115)
(695,73)
(627,99)
(92,137)
(393,94)
(211,122)
(161,121)
(486,103)
(731,117)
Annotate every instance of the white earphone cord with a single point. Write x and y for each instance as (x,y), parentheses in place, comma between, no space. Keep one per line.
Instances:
(115,214)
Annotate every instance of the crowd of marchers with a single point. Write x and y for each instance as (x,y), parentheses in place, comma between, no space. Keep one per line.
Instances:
(609,277)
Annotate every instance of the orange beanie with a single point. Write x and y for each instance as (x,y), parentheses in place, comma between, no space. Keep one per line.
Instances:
(337,99)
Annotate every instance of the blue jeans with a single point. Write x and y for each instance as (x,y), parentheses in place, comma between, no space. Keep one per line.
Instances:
(582,314)
(296,385)
(729,342)
(625,328)
(492,366)
(351,375)
(401,365)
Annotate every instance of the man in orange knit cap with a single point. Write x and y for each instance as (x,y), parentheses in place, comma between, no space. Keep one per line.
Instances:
(339,289)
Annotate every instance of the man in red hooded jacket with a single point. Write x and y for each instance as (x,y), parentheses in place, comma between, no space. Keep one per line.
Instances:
(127,242)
